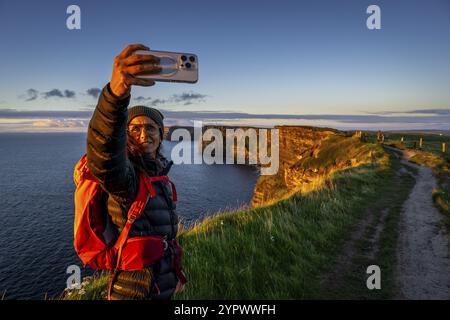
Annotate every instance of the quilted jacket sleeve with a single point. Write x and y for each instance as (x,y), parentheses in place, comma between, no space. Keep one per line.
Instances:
(107,147)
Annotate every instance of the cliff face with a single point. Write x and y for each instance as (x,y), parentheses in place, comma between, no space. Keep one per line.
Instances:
(307,157)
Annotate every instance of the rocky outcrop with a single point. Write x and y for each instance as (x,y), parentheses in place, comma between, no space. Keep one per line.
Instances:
(308,156)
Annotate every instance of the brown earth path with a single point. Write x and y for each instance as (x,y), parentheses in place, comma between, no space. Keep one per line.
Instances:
(422,247)
(423,253)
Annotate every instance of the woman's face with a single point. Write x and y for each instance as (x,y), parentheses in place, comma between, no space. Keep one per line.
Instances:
(145,132)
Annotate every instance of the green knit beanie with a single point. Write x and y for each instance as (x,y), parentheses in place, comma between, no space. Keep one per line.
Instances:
(152,113)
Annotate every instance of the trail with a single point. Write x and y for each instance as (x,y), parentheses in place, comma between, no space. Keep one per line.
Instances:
(420,246)
(423,253)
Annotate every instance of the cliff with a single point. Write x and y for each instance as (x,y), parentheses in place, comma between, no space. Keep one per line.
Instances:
(308,156)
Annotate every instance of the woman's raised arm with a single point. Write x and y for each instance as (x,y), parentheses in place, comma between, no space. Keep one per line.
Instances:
(107,133)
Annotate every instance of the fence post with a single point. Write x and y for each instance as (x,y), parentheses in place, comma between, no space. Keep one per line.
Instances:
(420,143)
(443,147)
(401,139)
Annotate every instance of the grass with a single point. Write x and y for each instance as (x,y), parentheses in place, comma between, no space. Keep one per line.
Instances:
(92,288)
(429,159)
(441,195)
(337,149)
(432,143)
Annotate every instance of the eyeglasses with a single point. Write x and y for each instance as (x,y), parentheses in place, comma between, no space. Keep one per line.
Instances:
(149,129)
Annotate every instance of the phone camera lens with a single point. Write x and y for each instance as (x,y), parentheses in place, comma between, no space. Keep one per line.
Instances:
(183,58)
(188,65)
(191,58)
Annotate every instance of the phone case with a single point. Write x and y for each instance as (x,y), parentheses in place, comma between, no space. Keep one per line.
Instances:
(176,66)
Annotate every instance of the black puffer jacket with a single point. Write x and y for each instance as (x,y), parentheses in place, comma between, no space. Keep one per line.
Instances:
(108,161)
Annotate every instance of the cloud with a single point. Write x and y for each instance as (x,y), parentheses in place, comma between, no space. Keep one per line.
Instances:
(60,123)
(43,125)
(69,93)
(80,119)
(142,99)
(53,93)
(30,95)
(185,98)
(432,111)
(33,94)
(58,93)
(158,102)
(93,92)
(14,114)
(419,111)
(188,98)
(88,107)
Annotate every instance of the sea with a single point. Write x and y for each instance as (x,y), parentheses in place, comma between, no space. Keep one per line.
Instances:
(37,207)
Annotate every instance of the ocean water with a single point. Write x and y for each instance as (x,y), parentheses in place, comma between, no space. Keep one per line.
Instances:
(36,208)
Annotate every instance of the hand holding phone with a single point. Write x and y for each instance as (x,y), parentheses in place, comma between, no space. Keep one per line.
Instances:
(127,66)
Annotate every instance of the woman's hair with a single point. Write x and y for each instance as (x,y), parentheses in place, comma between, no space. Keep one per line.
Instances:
(136,155)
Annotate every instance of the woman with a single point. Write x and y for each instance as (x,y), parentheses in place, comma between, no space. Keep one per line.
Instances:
(122,144)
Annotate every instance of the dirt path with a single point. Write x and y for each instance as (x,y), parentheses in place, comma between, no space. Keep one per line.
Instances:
(402,232)
(423,253)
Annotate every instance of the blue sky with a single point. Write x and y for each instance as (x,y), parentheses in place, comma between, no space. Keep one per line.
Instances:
(258,57)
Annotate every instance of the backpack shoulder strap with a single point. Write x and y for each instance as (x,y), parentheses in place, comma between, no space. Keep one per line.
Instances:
(135,211)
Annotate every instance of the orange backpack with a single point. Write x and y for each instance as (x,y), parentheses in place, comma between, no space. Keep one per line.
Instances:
(125,253)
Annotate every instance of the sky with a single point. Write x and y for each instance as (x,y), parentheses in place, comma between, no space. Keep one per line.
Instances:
(260,62)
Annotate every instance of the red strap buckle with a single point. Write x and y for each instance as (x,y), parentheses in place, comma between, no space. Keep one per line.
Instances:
(132,217)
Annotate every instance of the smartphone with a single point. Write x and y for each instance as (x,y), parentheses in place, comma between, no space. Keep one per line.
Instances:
(176,66)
